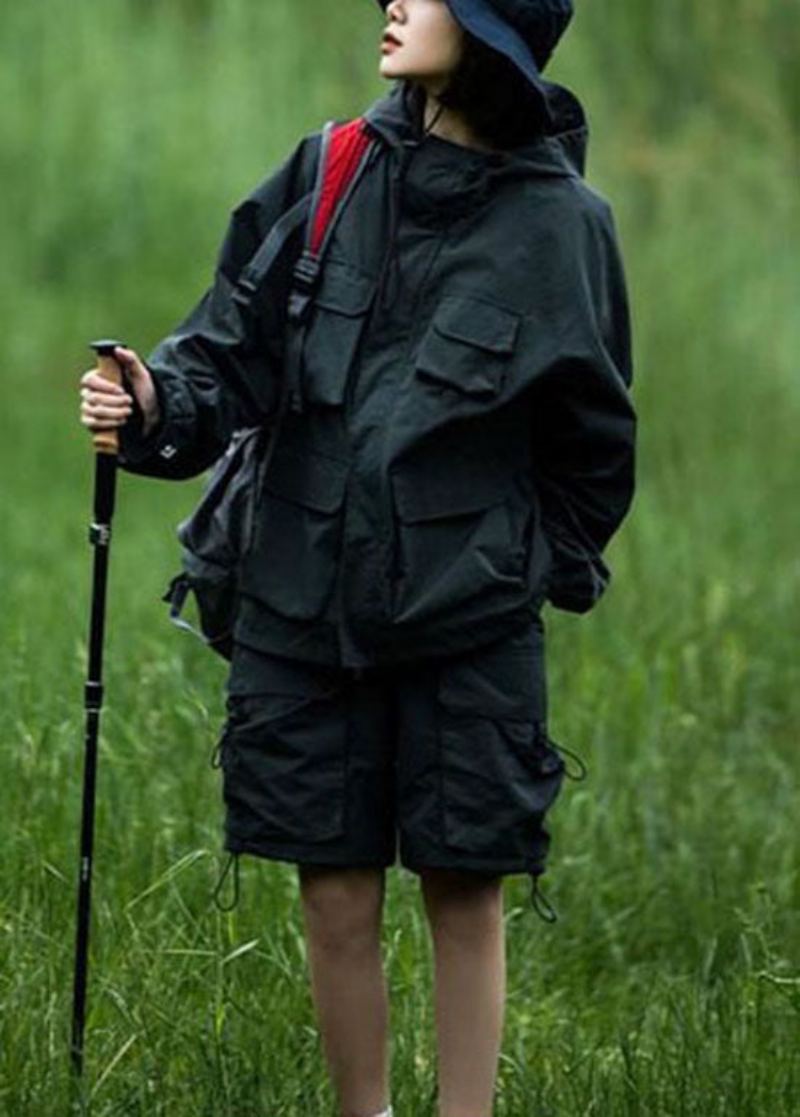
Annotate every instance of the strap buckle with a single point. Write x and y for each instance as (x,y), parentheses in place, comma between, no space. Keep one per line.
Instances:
(305,274)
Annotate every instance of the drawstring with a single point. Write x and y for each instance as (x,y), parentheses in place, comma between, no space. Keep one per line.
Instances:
(234,857)
(582,768)
(216,755)
(541,905)
(391,255)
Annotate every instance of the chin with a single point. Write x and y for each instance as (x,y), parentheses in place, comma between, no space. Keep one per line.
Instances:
(387,70)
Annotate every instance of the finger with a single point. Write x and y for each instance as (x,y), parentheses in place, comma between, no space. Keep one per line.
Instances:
(102,418)
(127,358)
(107,411)
(93,379)
(100,424)
(94,417)
(101,395)
(116,404)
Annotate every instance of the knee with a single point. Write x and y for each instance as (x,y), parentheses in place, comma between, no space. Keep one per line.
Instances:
(341,907)
(461,904)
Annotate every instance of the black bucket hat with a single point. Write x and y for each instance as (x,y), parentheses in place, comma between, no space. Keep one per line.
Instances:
(526,31)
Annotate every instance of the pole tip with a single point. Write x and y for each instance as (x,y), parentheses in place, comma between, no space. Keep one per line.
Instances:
(105,347)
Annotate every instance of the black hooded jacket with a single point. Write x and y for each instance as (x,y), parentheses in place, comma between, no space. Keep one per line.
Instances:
(465,449)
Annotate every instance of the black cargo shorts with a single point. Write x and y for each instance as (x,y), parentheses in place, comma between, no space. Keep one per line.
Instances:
(331,766)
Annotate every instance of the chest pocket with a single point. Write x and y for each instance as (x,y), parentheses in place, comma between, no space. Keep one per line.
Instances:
(340,310)
(468,348)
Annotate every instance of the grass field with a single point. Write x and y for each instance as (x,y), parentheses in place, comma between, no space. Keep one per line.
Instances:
(671,983)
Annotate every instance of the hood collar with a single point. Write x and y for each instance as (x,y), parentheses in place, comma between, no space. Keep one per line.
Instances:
(458,178)
(560,150)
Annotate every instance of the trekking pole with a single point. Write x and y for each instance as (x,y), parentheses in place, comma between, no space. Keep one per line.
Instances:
(106,445)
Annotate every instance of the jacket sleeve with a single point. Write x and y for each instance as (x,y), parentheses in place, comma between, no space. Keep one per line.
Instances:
(584,422)
(212,375)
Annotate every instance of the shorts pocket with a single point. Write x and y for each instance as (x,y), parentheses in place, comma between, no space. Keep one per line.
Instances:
(499,774)
(292,564)
(340,305)
(285,766)
(468,348)
(499,780)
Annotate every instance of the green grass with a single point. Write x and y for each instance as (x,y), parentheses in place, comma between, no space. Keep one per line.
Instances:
(671,983)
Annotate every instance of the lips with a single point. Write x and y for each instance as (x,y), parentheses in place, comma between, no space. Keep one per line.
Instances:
(390,38)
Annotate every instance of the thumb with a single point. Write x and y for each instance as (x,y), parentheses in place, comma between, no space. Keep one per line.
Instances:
(130,361)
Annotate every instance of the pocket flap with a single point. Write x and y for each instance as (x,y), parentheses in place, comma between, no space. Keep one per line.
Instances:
(453,489)
(477,323)
(343,289)
(468,346)
(308,479)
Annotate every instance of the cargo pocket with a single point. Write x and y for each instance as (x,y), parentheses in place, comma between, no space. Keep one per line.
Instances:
(340,308)
(285,767)
(499,774)
(467,349)
(291,566)
(455,535)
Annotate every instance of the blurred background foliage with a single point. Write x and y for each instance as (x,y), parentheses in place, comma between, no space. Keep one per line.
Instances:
(129,130)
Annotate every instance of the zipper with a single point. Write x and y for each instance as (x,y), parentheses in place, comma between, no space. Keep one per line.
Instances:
(393,568)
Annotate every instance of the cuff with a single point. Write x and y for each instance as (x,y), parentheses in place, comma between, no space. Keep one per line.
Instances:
(577,579)
(136,447)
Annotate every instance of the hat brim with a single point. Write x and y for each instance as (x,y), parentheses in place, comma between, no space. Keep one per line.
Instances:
(482,21)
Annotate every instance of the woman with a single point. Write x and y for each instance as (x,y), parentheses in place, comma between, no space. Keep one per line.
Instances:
(463,451)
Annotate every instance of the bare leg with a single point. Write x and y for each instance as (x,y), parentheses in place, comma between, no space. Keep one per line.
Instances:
(465,913)
(342,910)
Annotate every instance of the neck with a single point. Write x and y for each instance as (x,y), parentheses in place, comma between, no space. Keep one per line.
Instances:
(450,125)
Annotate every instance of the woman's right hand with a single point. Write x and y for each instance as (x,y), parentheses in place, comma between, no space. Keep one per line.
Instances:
(106,405)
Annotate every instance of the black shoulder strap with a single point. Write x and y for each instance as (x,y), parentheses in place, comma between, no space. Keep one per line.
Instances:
(261,263)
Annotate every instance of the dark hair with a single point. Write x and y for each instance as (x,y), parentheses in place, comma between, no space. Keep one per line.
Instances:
(494,97)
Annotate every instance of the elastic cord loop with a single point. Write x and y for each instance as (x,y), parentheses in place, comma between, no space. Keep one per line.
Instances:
(583,770)
(233,857)
(541,905)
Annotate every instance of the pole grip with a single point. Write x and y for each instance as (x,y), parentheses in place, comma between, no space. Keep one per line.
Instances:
(107,442)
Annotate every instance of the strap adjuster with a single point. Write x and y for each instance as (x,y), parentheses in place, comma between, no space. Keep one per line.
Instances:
(305,274)
(306,270)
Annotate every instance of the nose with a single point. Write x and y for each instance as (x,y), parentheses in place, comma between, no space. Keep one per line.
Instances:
(393,10)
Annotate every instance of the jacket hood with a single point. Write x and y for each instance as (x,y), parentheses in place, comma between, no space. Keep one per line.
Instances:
(437,181)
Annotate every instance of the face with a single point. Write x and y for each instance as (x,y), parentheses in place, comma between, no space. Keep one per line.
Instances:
(430,42)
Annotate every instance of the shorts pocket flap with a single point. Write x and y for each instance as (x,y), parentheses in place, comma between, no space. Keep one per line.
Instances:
(343,289)
(471,486)
(308,479)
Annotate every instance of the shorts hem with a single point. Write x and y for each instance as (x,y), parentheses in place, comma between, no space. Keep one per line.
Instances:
(299,856)
(476,866)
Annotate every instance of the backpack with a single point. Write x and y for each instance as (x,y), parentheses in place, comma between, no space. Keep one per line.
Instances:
(215,537)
